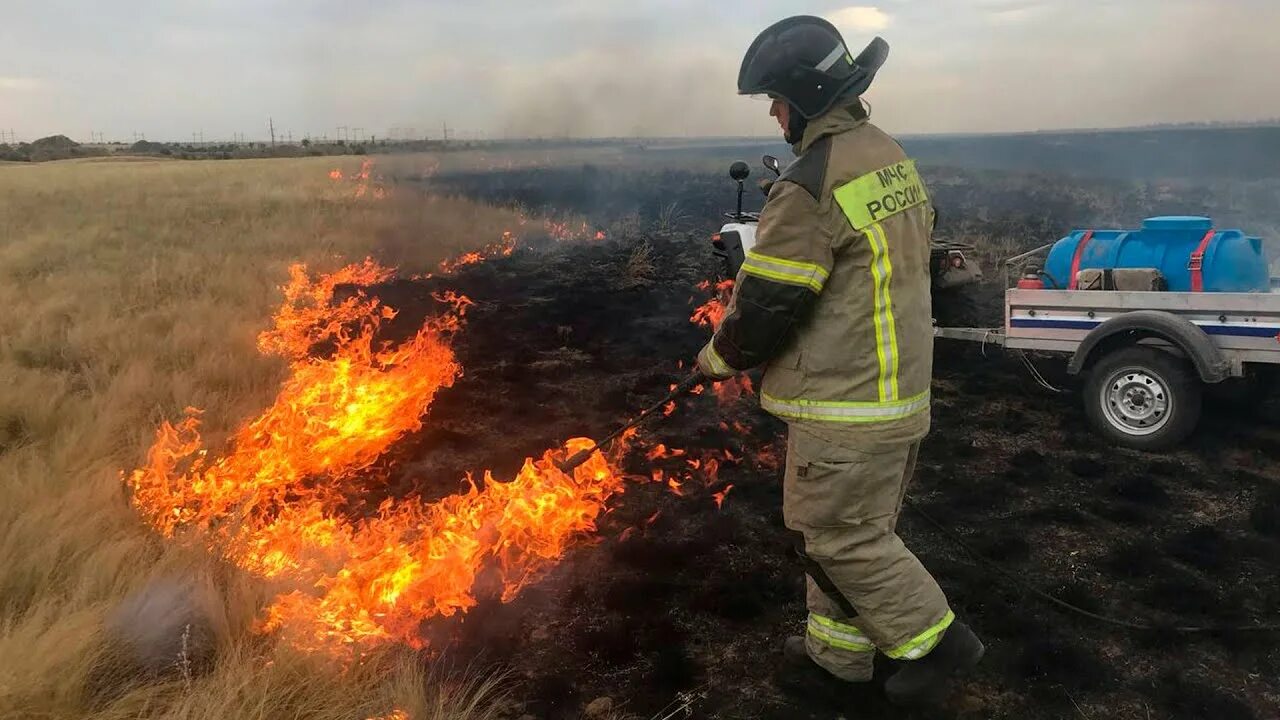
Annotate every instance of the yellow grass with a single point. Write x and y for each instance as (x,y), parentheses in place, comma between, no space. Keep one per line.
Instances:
(127,292)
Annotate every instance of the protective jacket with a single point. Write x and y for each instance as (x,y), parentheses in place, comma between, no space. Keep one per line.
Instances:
(835,295)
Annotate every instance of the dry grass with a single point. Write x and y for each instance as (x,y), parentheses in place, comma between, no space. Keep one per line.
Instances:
(127,292)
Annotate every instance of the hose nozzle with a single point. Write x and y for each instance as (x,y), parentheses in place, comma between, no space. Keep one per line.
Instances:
(573,461)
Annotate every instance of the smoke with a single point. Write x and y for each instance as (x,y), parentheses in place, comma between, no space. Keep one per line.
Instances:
(606,68)
(1032,66)
(591,93)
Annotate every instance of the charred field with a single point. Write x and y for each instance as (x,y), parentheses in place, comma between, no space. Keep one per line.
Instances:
(679,606)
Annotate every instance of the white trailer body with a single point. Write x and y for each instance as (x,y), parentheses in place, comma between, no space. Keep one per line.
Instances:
(1244,327)
(1145,356)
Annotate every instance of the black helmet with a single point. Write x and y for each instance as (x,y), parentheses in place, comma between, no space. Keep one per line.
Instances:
(804,61)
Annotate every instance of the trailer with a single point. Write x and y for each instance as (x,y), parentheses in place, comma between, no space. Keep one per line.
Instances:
(1145,356)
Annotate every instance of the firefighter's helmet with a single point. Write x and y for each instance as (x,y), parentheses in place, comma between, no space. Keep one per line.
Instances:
(804,61)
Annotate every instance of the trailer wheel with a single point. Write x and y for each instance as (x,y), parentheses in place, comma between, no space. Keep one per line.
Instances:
(1143,398)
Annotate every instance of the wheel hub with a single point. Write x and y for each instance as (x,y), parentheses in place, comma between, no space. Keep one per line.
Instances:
(1136,401)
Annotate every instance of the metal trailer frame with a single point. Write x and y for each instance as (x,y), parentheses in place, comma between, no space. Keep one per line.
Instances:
(1244,328)
(1220,334)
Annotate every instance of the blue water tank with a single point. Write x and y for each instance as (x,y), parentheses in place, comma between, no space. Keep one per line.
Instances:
(1233,261)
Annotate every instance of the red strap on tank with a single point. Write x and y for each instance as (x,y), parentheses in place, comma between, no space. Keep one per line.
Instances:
(1075,259)
(1196,263)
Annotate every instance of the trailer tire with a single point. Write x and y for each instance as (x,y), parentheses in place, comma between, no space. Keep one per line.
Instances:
(1143,398)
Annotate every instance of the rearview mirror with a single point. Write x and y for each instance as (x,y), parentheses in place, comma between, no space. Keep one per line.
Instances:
(771,162)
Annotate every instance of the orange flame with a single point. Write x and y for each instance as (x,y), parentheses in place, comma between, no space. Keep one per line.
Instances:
(364,179)
(660,451)
(719,497)
(564,232)
(503,248)
(712,312)
(275,501)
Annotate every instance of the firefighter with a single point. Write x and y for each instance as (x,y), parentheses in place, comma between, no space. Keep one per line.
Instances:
(834,298)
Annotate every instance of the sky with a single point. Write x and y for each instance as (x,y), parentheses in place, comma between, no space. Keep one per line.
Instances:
(587,68)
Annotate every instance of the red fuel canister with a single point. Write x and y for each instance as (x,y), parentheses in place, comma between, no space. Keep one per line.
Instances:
(1031,280)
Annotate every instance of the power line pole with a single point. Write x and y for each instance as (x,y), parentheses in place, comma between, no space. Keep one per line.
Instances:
(446,132)
(271,124)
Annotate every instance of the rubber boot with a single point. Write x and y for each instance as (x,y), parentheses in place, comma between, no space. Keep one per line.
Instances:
(800,677)
(925,681)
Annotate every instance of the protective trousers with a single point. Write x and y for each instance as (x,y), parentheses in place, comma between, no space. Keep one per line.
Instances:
(845,502)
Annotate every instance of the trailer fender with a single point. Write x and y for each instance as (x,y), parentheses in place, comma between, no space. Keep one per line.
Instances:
(1130,328)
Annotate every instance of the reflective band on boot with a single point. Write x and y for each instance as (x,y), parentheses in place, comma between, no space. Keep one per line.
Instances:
(839,635)
(920,645)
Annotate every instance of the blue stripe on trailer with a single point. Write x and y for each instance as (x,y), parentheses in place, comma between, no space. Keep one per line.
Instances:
(1055,324)
(1232,330)
(1241,331)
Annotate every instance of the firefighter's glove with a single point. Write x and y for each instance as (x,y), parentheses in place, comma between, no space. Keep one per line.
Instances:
(766,184)
(712,366)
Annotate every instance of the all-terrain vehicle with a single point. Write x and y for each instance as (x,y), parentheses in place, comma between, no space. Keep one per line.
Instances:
(953,273)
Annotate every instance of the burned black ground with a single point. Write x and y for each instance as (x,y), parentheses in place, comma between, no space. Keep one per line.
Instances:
(676,599)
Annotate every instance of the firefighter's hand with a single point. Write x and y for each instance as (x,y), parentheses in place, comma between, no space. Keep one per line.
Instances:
(712,366)
(766,184)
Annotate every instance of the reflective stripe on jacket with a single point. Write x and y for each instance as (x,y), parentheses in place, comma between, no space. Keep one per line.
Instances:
(834,297)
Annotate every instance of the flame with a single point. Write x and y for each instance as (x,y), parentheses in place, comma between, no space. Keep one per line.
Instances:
(564,232)
(502,248)
(712,312)
(276,500)
(365,181)
(660,451)
(719,497)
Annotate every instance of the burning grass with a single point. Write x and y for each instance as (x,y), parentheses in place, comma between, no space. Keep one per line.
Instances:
(276,502)
(129,292)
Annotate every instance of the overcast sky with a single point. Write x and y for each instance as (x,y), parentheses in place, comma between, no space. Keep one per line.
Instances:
(168,68)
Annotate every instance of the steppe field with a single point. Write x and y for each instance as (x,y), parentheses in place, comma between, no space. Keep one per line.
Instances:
(350,526)
(129,291)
